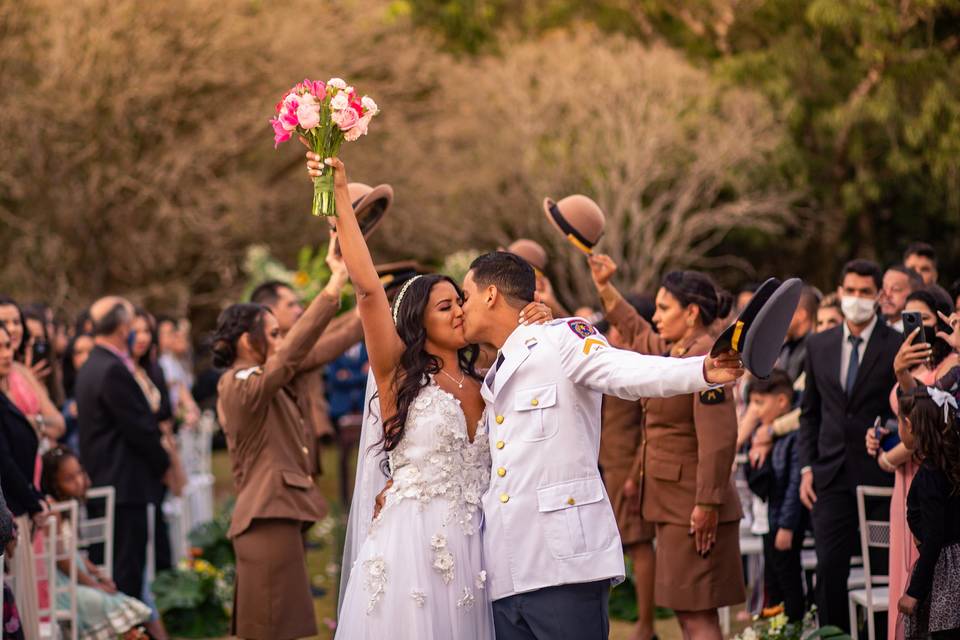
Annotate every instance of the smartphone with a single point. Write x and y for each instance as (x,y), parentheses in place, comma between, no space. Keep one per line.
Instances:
(892,439)
(40,351)
(911,321)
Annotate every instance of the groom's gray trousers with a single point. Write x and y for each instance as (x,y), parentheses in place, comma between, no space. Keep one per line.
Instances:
(567,612)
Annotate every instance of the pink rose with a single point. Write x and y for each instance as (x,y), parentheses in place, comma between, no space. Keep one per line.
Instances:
(318,90)
(346,119)
(280,134)
(291,101)
(309,115)
(339,83)
(340,102)
(288,119)
(360,129)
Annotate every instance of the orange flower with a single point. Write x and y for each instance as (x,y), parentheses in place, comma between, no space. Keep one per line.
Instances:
(196,552)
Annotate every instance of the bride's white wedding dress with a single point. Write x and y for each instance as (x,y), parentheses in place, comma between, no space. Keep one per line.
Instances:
(419,572)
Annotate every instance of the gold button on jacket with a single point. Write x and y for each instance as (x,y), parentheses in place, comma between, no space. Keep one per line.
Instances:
(504,498)
(501,472)
(499,419)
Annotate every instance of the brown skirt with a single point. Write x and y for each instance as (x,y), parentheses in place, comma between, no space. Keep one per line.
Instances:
(687,582)
(272,595)
(633,528)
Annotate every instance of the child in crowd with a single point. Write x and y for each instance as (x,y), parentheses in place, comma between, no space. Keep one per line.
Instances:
(931,605)
(102,611)
(778,482)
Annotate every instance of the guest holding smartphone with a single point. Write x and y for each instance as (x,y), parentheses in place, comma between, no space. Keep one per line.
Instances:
(924,359)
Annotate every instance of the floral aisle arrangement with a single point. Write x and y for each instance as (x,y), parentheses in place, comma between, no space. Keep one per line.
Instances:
(195,599)
(325,114)
(773,624)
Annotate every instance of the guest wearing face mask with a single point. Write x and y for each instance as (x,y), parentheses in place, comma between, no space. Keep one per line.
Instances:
(923,362)
(898,283)
(849,374)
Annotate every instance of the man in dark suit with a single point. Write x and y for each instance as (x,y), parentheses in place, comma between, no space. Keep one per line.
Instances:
(849,375)
(120,438)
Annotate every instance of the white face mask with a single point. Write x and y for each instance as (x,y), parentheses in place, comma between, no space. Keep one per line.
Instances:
(858,310)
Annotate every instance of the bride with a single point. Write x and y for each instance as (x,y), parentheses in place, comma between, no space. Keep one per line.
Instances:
(418,571)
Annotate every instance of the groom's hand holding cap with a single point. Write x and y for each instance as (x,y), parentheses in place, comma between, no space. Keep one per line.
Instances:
(761,328)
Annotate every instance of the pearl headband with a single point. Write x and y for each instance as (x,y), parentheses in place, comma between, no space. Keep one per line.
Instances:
(403,292)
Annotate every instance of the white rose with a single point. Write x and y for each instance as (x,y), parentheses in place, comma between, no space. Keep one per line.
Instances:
(369,105)
(340,102)
(339,83)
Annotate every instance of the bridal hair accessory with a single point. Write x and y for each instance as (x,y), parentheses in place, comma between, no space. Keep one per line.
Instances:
(944,400)
(403,292)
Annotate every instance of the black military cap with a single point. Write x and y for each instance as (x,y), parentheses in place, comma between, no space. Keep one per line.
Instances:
(759,331)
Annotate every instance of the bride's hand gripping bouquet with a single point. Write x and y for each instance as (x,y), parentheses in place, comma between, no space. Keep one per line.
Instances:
(325,115)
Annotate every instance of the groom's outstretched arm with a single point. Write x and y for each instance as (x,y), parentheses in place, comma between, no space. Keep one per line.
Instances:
(588,359)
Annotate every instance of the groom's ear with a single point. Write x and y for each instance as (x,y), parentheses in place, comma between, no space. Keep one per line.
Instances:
(491,295)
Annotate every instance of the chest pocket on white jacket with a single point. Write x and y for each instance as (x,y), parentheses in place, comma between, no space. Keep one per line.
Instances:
(576,519)
(537,417)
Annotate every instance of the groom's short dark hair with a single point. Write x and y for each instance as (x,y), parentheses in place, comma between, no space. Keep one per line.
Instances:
(513,277)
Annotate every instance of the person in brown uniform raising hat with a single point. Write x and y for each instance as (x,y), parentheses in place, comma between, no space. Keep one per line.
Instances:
(264,425)
(681,477)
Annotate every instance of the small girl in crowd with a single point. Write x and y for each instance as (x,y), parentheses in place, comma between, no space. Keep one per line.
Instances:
(931,604)
(102,611)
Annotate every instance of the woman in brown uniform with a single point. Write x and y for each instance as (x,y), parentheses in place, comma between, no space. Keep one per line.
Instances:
(276,496)
(621,428)
(682,473)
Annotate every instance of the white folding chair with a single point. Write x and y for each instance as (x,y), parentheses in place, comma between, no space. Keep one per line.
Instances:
(874,597)
(99,530)
(173,512)
(45,563)
(66,549)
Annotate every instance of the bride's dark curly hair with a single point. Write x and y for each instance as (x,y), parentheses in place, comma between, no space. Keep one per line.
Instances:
(937,440)
(416,364)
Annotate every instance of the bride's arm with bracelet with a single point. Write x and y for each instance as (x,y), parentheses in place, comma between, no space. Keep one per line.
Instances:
(383,344)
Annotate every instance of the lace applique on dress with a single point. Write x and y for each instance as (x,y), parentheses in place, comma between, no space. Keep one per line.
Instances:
(376,581)
(435,459)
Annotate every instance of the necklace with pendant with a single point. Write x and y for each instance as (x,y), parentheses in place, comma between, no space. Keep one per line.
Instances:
(459,382)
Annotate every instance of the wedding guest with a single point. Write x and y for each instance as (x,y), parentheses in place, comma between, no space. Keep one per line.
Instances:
(842,395)
(276,495)
(149,376)
(102,611)
(682,476)
(173,349)
(829,314)
(898,282)
(916,362)
(74,357)
(794,350)
(41,348)
(26,390)
(120,441)
(922,258)
(929,416)
(787,518)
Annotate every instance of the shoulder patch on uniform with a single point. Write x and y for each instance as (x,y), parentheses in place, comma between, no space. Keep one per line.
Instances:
(244,374)
(581,328)
(713,396)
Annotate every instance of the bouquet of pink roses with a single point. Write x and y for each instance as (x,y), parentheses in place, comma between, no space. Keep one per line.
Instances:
(325,114)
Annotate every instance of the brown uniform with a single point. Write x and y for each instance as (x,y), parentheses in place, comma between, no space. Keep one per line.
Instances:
(621,429)
(276,495)
(686,459)
(343,333)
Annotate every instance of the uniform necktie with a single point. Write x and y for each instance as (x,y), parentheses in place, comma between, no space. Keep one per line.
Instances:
(854,365)
(496,367)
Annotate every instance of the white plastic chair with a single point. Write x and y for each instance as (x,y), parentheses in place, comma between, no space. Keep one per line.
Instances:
(95,531)
(874,597)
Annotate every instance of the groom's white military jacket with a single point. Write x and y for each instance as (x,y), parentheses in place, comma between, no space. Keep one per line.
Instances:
(547,518)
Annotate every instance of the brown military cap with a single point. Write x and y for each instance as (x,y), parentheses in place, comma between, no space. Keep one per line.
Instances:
(530,251)
(578,218)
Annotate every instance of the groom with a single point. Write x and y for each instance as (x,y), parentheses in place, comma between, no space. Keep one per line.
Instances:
(550,542)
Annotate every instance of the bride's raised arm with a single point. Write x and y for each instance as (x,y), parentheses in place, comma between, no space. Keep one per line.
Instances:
(383,344)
